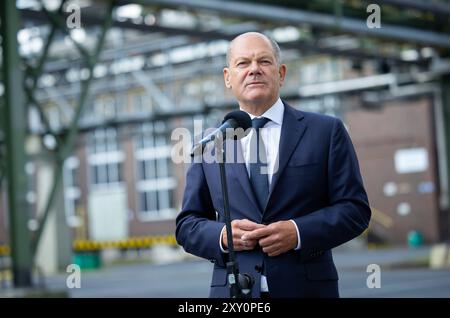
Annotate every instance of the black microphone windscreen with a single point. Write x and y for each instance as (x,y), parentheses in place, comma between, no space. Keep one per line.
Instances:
(242,118)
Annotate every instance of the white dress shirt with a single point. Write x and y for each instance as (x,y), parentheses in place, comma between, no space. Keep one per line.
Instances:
(270,135)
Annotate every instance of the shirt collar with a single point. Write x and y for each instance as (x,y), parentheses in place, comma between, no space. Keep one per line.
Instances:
(274,113)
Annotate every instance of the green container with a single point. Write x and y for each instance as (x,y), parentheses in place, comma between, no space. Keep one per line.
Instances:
(87,260)
(415,239)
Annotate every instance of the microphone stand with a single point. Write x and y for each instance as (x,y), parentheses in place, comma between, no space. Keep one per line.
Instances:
(240,284)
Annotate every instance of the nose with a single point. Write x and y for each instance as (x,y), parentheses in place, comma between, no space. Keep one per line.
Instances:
(254,68)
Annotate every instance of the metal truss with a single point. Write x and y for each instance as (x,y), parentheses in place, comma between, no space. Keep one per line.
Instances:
(65,147)
(278,14)
(199,35)
(14,125)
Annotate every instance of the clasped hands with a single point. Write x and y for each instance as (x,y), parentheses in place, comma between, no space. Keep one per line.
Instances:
(275,238)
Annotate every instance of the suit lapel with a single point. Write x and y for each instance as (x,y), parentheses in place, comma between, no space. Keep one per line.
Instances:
(292,131)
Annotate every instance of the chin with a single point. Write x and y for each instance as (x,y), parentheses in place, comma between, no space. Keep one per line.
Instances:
(257,98)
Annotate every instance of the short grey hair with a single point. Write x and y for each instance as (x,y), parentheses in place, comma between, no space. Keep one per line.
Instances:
(275,47)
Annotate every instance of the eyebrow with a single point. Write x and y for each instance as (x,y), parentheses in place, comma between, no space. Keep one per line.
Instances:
(263,56)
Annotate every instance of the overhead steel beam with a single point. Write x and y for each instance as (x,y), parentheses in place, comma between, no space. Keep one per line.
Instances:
(111,54)
(197,35)
(438,8)
(372,82)
(163,101)
(126,80)
(14,114)
(349,85)
(279,14)
(397,82)
(61,66)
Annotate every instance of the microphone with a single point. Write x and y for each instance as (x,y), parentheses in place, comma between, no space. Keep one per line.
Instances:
(235,119)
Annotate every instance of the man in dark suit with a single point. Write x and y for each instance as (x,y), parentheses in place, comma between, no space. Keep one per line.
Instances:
(286,219)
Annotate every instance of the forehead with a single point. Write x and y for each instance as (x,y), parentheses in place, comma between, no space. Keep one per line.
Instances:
(249,46)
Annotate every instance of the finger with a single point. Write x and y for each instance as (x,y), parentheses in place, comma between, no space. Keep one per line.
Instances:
(257,234)
(248,225)
(238,233)
(270,250)
(243,246)
(249,244)
(238,245)
(267,241)
(275,253)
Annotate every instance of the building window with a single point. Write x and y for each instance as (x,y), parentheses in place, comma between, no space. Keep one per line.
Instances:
(141,103)
(155,183)
(105,158)
(106,173)
(156,202)
(103,140)
(72,192)
(106,107)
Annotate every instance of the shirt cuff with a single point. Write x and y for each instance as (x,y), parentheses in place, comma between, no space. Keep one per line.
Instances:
(298,237)
(220,240)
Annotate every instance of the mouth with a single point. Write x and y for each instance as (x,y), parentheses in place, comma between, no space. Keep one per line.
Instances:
(255,83)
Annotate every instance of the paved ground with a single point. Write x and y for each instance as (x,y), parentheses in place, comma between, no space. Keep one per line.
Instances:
(407,283)
(191,279)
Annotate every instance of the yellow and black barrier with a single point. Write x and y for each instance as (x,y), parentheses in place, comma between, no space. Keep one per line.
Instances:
(4,250)
(129,243)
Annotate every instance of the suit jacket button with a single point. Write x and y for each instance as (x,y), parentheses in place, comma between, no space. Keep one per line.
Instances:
(258,268)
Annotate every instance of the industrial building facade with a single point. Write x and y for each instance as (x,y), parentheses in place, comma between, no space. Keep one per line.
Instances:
(88,109)
(121,181)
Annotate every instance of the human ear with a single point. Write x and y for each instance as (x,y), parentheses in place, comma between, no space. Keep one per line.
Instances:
(282,73)
(226,77)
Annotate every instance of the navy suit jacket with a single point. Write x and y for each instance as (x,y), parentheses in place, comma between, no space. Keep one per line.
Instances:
(318,185)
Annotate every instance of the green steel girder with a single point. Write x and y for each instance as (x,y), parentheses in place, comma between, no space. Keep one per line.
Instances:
(445,89)
(317,21)
(69,141)
(32,100)
(58,21)
(2,165)
(2,135)
(34,73)
(14,114)
(30,85)
(392,14)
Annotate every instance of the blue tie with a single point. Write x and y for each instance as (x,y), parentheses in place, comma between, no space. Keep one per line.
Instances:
(258,164)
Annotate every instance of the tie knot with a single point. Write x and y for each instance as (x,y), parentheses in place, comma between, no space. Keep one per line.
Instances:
(259,122)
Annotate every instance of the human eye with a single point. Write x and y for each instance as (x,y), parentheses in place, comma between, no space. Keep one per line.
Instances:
(241,63)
